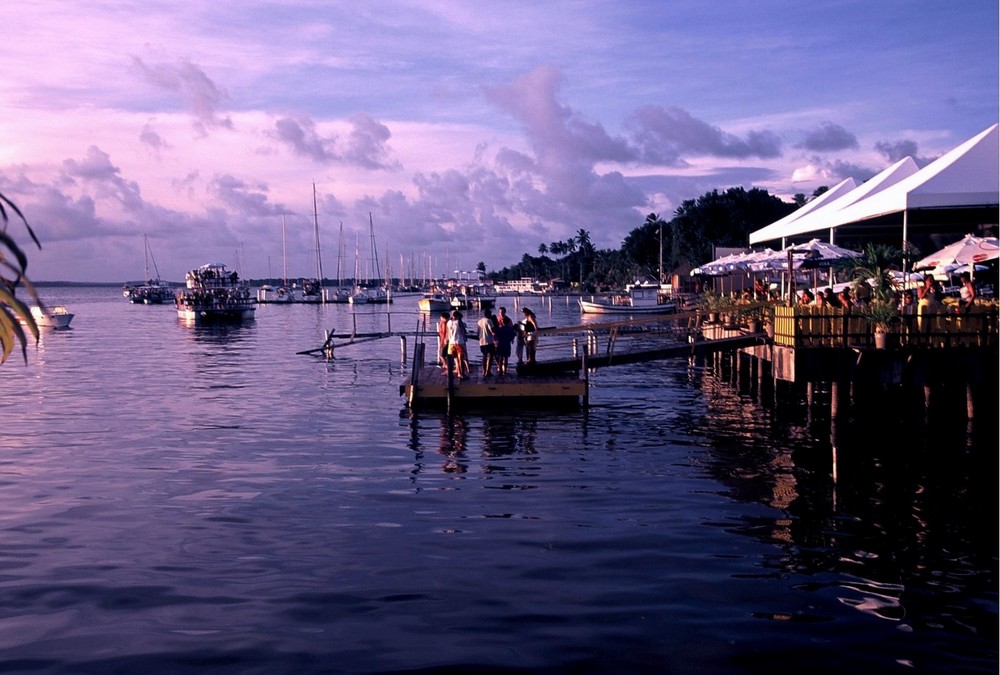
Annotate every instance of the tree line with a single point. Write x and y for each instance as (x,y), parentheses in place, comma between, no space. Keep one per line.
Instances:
(685,241)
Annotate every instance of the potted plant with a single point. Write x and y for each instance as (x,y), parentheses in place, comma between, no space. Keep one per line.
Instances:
(711,302)
(754,315)
(882,315)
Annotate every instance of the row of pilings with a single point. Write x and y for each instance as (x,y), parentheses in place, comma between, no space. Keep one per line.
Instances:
(915,383)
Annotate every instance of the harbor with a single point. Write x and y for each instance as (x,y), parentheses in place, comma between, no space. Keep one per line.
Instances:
(251,495)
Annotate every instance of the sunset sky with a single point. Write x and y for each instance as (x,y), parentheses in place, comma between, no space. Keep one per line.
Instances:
(468,131)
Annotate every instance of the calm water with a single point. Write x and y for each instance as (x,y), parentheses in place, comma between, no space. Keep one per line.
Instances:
(178,499)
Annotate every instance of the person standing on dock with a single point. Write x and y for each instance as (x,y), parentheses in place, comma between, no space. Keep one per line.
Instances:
(487,337)
(504,337)
(457,344)
(530,335)
(443,338)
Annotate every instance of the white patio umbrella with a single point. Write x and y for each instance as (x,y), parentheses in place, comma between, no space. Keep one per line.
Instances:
(966,251)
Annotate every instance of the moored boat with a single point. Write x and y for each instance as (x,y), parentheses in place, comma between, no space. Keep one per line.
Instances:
(153,292)
(637,299)
(215,295)
(56,317)
(434,302)
(268,293)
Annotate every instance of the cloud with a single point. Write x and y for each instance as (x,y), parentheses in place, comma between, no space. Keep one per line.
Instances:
(664,135)
(829,137)
(96,172)
(555,132)
(244,198)
(819,169)
(152,139)
(364,146)
(198,92)
(897,150)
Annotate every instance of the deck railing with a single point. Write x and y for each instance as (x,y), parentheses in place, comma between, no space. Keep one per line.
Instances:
(800,326)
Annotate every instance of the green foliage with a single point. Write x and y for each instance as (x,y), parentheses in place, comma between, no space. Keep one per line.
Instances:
(13,265)
(714,219)
(881,314)
(874,267)
(719,219)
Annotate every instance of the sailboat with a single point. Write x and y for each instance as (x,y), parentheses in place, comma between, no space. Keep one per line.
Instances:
(311,290)
(282,294)
(378,292)
(152,291)
(359,295)
(340,294)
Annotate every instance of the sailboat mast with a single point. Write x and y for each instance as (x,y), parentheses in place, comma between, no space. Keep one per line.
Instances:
(340,257)
(371,228)
(145,256)
(319,260)
(284,256)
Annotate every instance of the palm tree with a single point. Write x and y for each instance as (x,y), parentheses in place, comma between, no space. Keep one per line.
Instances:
(875,264)
(586,249)
(13,312)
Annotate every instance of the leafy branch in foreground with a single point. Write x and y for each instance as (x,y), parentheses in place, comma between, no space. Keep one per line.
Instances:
(13,265)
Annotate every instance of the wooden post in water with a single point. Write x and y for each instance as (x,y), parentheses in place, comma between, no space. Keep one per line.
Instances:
(418,357)
(402,349)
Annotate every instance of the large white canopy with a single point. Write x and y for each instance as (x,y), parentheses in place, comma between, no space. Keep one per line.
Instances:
(968,176)
(775,229)
(808,223)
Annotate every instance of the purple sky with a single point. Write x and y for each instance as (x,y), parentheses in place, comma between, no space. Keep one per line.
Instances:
(469,131)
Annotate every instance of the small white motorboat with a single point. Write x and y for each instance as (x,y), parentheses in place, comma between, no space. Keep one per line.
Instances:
(56,317)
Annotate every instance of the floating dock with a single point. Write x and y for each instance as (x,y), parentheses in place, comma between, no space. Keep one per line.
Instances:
(435,387)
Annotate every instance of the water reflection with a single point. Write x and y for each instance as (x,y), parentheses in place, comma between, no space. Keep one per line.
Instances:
(452,444)
(462,439)
(885,511)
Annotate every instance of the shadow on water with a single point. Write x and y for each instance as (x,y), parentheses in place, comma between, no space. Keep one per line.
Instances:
(890,509)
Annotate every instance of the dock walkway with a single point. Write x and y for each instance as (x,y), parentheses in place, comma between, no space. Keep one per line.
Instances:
(431,386)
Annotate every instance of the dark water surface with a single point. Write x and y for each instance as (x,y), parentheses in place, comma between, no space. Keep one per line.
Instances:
(178,499)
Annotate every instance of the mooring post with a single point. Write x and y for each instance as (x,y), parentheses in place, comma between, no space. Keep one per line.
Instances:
(402,349)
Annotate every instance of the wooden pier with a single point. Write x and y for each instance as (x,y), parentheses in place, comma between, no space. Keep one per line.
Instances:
(437,387)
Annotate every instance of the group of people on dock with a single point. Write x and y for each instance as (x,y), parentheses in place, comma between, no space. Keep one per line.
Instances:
(496,335)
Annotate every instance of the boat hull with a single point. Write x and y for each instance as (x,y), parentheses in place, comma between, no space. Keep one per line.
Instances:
(598,307)
(209,315)
(435,304)
(56,318)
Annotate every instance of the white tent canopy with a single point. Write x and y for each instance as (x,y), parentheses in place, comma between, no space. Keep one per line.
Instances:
(968,176)
(888,177)
(775,229)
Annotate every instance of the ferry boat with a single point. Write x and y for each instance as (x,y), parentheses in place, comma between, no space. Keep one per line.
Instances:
(213,294)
